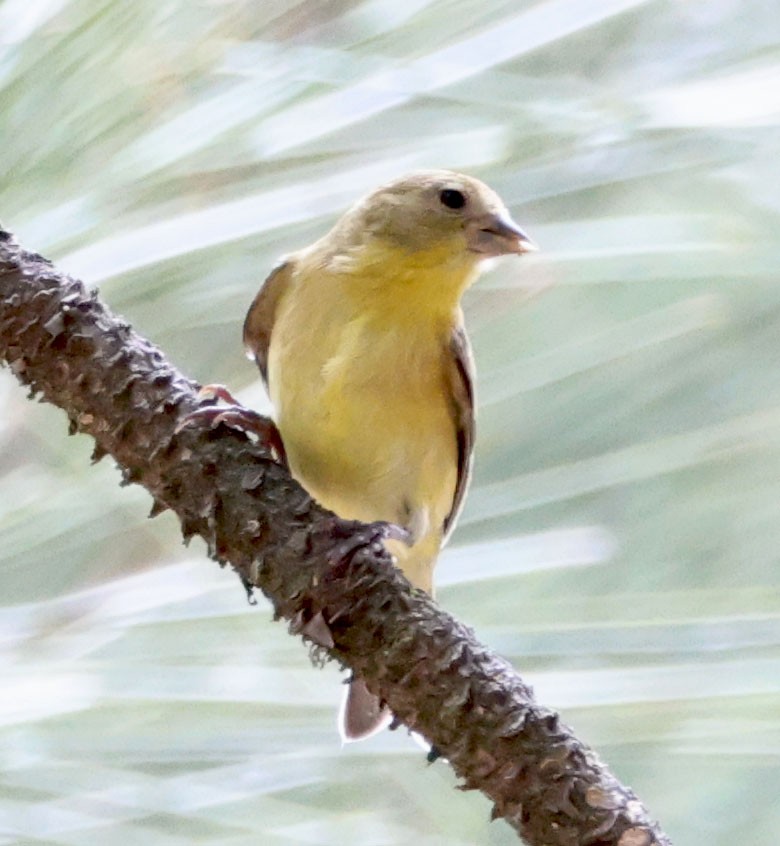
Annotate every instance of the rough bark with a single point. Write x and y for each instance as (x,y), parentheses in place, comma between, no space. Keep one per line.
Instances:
(316,569)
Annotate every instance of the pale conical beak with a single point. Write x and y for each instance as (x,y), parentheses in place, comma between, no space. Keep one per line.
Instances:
(497,235)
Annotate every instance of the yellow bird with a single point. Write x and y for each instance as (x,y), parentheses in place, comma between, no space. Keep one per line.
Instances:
(361,344)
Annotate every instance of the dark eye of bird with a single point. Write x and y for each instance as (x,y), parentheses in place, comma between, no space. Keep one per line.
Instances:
(452,199)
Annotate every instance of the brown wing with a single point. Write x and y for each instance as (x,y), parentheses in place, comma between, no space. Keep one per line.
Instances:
(259,321)
(461,375)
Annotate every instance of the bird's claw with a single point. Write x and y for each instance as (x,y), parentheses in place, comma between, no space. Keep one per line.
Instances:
(392,531)
(235,416)
(216,391)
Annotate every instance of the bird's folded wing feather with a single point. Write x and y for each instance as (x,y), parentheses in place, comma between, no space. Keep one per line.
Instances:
(260,318)
(460,372)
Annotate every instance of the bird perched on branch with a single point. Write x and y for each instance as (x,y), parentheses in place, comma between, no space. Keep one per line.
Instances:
(361,344)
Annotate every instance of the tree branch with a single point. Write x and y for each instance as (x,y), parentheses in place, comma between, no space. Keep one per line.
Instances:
(438,679)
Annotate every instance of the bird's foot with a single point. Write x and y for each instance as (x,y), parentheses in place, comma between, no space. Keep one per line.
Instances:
(374,534)
(235,416)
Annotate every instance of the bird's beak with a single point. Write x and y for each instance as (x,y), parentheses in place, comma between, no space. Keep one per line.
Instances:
(497,235)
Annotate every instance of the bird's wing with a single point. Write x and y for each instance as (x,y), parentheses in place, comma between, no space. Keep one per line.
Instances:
(259,322)
(460,371)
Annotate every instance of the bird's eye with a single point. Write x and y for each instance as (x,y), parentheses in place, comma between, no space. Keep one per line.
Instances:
(452,199)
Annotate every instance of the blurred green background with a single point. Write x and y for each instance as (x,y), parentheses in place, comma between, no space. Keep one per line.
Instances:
(621,540)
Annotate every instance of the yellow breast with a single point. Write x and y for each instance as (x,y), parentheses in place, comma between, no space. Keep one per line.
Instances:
(357,376)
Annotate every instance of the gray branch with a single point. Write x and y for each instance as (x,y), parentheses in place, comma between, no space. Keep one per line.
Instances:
(330,578)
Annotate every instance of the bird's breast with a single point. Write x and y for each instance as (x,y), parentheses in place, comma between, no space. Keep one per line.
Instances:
(364,411)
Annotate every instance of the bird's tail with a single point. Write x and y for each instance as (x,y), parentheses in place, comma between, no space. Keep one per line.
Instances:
(361,714)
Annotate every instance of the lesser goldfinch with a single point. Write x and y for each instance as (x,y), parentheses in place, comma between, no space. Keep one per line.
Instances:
(361,344)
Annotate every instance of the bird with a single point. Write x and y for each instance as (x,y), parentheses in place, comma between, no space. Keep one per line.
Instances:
(361,344)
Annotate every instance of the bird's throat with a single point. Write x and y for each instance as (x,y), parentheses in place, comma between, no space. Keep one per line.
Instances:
(410,287)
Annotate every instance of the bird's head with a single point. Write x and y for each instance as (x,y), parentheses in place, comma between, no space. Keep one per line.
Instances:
(434,210)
